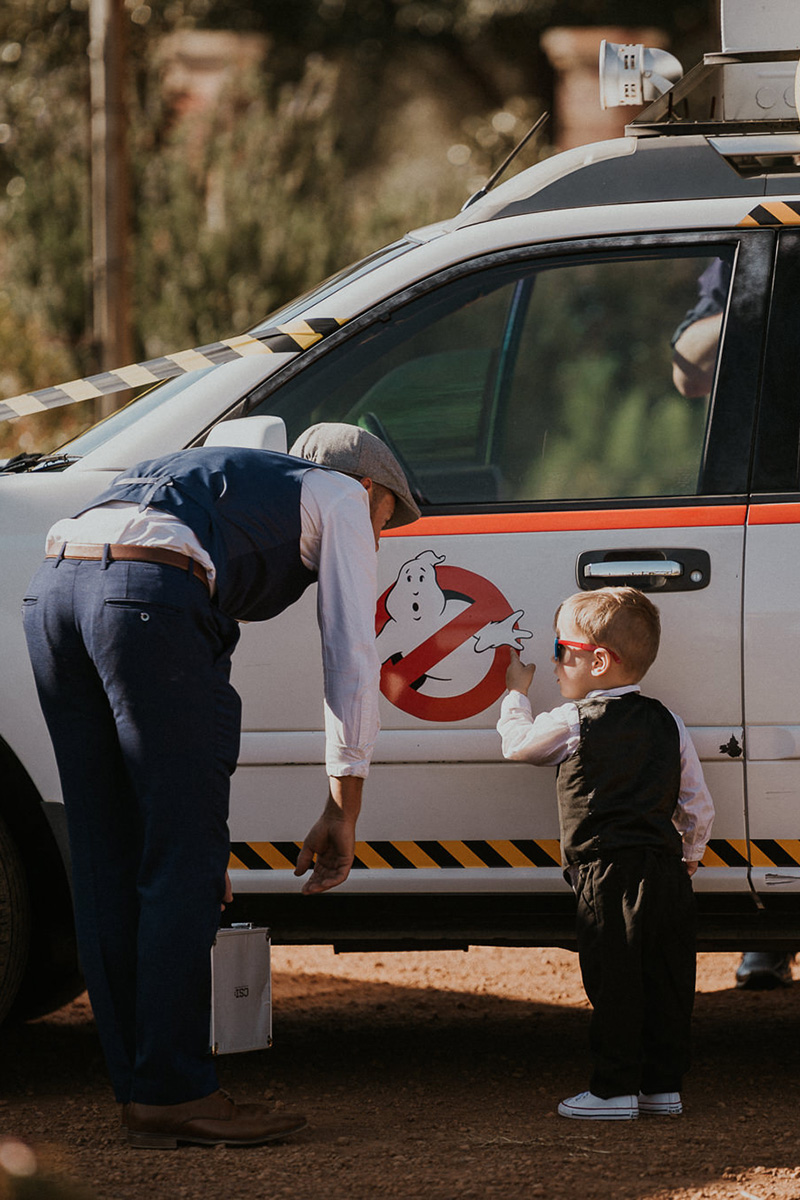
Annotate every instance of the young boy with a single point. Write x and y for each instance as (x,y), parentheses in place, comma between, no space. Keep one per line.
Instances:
(635,817)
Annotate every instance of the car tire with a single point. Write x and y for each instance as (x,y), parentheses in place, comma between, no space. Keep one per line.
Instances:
(15,920)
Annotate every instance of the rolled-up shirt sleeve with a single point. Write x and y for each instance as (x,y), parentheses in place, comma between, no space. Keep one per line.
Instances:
(338,541)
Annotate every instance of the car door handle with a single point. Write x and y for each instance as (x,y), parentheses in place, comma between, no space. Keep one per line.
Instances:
(617,570)
(650,569)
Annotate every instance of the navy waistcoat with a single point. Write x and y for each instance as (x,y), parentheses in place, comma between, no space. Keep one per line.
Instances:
(243,505)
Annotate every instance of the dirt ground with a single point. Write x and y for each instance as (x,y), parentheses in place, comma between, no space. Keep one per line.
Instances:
(426,1075)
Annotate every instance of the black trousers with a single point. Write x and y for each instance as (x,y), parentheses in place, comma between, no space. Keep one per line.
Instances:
(636,929)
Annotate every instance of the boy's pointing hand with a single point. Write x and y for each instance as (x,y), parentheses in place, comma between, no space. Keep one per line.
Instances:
(519,676)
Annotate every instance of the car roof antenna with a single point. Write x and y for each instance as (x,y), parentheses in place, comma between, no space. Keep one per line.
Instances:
(492,180)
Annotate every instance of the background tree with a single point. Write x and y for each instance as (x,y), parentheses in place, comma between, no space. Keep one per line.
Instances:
(338,142)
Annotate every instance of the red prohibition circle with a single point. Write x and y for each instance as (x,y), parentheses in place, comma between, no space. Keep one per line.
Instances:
(487,604)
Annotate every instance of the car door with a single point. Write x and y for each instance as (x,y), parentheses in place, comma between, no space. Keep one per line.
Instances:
(771,608)
(530,395)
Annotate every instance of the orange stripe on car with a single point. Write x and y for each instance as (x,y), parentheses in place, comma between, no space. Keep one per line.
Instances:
(689,517)
(774,514)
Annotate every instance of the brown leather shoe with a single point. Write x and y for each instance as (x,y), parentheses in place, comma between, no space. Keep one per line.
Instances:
(213,1120)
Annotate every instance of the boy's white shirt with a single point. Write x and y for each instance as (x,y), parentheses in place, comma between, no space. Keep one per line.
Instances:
(552,736)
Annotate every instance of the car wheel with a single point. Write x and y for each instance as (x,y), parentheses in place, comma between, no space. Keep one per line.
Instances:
(15,920)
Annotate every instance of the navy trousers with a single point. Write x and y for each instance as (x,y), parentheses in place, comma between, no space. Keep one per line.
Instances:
(132,666)
(636,930)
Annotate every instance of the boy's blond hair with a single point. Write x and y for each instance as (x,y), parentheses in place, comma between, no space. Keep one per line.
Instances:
(622,619)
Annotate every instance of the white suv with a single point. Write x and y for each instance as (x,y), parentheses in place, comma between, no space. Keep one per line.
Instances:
(519,359)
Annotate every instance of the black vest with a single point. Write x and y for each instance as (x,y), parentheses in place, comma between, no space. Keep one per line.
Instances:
(620,787)
(244,508)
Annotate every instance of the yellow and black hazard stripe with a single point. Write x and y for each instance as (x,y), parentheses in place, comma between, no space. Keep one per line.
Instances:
(759,852)
(783,852)
(411,855)
(282,339)
(461,855)
(774,212)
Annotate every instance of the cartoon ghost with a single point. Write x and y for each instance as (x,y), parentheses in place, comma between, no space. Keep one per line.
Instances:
(418,608)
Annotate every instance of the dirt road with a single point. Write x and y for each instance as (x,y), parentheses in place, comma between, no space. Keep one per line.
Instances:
(430,1075)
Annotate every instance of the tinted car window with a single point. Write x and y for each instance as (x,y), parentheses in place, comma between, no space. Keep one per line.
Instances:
(526,383)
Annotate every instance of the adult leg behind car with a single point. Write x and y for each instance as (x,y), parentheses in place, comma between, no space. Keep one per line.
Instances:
(132,665)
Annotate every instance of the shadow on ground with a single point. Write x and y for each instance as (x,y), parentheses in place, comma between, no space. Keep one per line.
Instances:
(428,1092)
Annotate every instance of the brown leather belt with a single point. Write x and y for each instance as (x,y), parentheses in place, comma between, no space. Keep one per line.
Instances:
(133,553)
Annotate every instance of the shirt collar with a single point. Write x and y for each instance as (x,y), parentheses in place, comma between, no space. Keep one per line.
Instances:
(617,691)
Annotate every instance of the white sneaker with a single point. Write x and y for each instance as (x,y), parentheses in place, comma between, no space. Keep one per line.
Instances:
(663,1103)
(588,1107)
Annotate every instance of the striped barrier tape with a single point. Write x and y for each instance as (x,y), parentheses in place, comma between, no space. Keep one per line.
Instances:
(519,852)
(282,339)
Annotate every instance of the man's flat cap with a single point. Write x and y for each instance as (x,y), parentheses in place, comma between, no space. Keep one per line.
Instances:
(357,452)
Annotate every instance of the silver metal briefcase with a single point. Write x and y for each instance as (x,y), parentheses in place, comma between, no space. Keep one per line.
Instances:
(241,990)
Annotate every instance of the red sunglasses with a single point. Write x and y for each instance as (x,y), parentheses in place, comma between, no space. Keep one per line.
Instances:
(559,642)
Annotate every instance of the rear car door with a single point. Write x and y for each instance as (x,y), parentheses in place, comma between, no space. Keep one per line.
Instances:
(771,607)
(530,395)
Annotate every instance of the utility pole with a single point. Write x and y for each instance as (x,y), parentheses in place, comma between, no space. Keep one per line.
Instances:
(110,220)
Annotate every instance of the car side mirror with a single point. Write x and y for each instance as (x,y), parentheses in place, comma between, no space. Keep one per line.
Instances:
(257,433)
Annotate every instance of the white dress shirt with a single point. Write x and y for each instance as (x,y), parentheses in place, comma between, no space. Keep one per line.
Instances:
(338,542)
(553,736)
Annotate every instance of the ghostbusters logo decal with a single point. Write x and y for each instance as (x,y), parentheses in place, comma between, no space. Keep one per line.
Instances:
(443,638)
